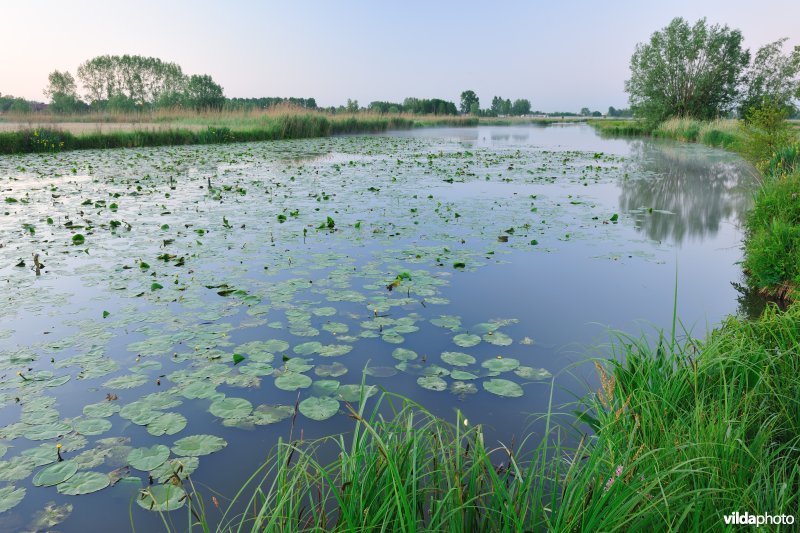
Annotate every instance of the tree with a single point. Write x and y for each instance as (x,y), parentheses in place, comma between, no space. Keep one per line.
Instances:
(202,92)
(468,99)
(141,79)
(687,71)
(585,111)
(772,77)
(352,106)
(521,107)
(62,91)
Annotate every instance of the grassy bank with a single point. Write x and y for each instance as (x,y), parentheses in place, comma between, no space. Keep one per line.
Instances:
(684,433)
(213,128)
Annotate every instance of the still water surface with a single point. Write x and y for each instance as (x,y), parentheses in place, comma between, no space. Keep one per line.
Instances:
(525,242)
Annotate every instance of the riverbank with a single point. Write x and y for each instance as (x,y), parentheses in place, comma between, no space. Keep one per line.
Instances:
(168,130)
(684,433)
(772,240)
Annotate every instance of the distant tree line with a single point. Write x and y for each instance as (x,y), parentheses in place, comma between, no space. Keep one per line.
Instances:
(238,104)
(470,104)
(416,106)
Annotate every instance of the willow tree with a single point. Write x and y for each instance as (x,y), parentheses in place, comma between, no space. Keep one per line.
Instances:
(143,80)
(685,70)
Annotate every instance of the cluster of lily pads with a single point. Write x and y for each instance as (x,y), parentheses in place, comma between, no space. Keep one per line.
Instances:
(147,280)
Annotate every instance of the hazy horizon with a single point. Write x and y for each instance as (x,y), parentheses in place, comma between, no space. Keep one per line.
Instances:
(561,57)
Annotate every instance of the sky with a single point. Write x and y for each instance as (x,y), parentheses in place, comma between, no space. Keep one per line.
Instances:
(560,55)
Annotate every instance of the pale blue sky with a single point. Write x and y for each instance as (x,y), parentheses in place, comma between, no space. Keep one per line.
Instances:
(561,56)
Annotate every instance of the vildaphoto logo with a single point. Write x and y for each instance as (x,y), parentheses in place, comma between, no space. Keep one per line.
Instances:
(758,520)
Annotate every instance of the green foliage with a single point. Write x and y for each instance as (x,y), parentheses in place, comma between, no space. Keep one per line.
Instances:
(687,71)
(772,246)
(203,93)
(468,102)
(766,131)
(772,77)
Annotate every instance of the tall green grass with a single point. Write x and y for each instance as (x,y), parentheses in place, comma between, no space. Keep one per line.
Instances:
(623,128)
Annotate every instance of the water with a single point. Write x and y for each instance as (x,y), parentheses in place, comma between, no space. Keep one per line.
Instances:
(175,279)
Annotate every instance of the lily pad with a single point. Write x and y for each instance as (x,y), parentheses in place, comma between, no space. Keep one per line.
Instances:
(500,364)
(404,354)
(231,408)
(457,358)
(84,483)
(317,408)
(325,387)
(270,414)
(55,473)
(16,468)
(352,393)
(380,371)
(466,340)
(498,338)
(148,458)
(128,381)
(292,381)
(333,371)
(307,348)
(196,445)
(434,383)
(50,516)
(92,426)
(461,387)
(461,375)
(167,424)
(532,373)
(10,497)
(100,409)
(503,387)
(162,498)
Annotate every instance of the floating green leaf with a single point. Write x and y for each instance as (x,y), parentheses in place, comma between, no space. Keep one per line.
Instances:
(404,354)
(231,408)
(532,373)
(466,340)
(503,387)
(292,381)
(10,497)
(167,424)
(196,445)
(162,498)
(500,364)
(55,473)
(434,383)
(84,483)
(148,458)
(319,408)
(92,426)
(457,358)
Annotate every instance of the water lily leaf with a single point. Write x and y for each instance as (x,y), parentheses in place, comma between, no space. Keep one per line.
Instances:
(498,338)
(55,473)
(434,383)
(47,431)
(307,348)
(450,322)
(466,340)
(92,426)
(335,350)
(100,409)
(292,381)
(460,387)
(457,358)
(380,371)
(179,466)
(196,445)
(532,373)
(257,369)
(334,371)
(270,414)
(324,387)
(128,381)
(317,408)
(162,498)
(50,516)
(500,364)
(167,424)
(392,337)
(352,393)
(404,354)
(336,327)
(148,458)
(461,375)
(503,387)
(231,408)
(43,454)
(298,364)
(16,468)
(84,483)
(10,497)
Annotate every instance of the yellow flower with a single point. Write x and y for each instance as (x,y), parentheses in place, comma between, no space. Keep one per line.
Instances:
(58,445)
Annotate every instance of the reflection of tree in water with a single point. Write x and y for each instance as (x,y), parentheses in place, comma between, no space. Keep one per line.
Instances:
(702,187)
